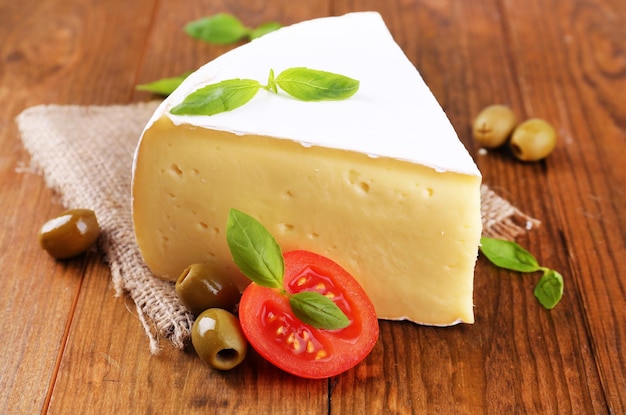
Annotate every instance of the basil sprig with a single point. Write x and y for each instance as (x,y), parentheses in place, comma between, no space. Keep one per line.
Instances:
(225,29)
(510,255)
(259,257)
(221,29)
(301,83)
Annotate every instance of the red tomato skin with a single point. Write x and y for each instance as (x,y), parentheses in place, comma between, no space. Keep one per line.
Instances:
(262,312)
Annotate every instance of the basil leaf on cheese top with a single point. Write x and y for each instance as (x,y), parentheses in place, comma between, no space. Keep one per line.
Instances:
(216,98)
(313,85)
(303,84)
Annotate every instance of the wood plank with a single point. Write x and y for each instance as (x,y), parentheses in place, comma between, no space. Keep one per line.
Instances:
(569,347)
(37,296)
(569,338)
(572,83)
(46,58)
(35,290)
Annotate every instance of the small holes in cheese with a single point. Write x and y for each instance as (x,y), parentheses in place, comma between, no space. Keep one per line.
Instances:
(176,170)
(286,227)
(359,183)
(426,192)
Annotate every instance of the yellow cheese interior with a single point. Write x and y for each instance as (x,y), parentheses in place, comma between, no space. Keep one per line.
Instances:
(407,233)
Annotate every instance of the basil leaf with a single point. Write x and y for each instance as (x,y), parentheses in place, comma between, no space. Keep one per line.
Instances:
(254,250)
(318,311)
(264,29)
(313,85)
(221,29)
(216,98)
(509,255)
(549,289)
(164,86)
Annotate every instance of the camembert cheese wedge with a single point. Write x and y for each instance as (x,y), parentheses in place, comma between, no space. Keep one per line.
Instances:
(379,182)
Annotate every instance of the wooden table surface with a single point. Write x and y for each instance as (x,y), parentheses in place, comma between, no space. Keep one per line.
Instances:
(71,347)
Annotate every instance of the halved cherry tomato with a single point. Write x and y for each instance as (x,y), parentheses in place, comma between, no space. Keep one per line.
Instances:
(296,347)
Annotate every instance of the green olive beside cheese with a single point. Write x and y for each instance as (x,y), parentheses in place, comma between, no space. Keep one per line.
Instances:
(533,140)
(69,234)
(218,340)
(199,288)
(493,126)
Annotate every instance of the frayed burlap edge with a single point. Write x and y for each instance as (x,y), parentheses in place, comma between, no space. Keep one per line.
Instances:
(85,154)
(500,218)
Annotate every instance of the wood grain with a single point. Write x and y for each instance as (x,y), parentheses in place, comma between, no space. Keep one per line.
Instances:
(72,347)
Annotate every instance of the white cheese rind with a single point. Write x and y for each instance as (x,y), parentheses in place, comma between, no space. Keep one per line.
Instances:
(379,183)
(393,114)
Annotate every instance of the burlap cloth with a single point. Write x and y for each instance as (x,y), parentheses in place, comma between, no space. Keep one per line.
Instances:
(85,154)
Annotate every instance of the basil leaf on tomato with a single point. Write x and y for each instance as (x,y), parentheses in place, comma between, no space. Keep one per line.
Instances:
(317,310)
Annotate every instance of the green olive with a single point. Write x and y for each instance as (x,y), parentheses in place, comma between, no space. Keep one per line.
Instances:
(533,140)
(493,126)
(69,234)
(199,288)
(218,340)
